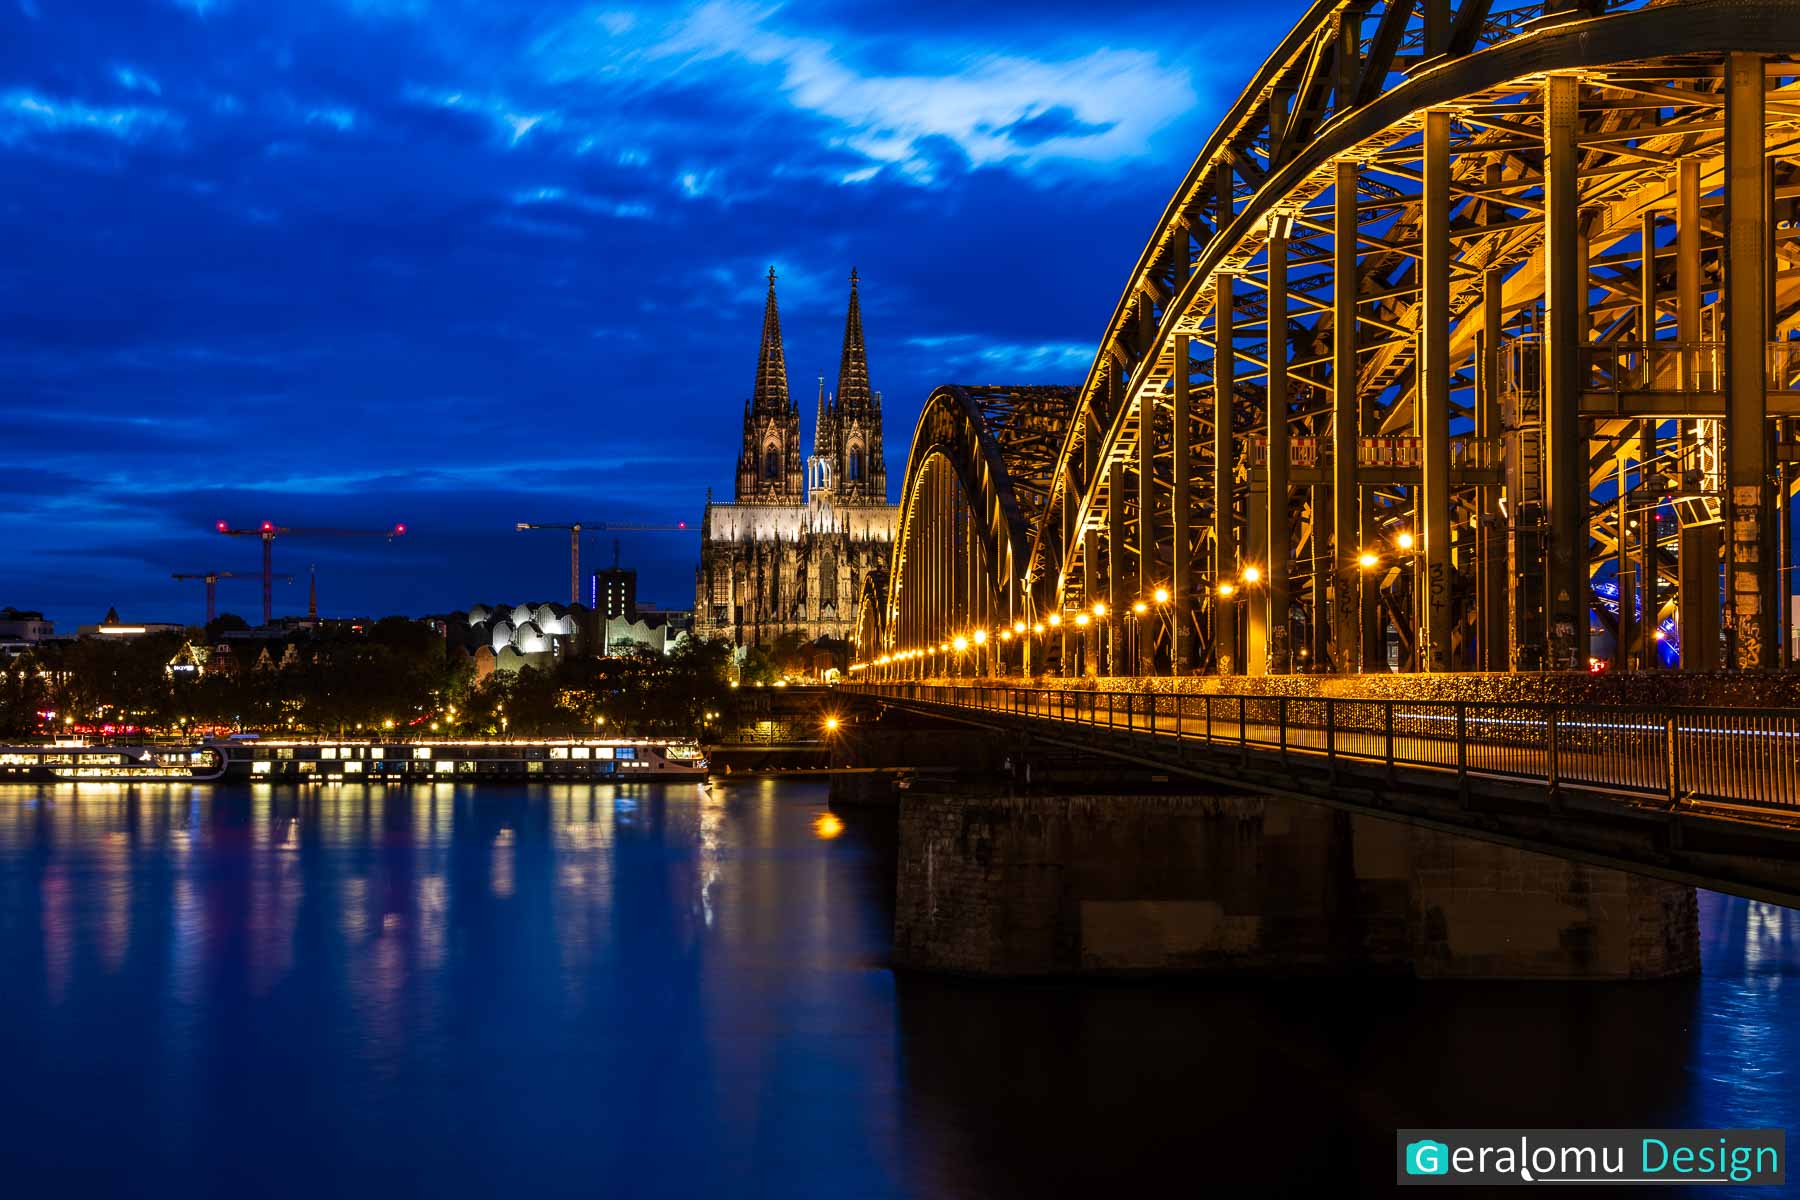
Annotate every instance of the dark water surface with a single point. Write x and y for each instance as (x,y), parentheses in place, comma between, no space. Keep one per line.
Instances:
(602,990)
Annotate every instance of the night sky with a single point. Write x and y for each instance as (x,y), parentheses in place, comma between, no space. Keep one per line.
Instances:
(458,264)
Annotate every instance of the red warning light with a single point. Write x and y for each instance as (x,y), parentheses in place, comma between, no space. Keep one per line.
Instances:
(400,528)
(221,527)
(681,524)
(268,526)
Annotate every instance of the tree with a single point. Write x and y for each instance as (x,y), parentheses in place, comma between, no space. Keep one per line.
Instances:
(225,622)
(22,697)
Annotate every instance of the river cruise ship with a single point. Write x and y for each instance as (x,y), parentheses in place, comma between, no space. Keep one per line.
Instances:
(257,759)
(111,764)
(456,760)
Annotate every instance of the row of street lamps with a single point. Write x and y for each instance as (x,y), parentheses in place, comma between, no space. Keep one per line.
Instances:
(928,659)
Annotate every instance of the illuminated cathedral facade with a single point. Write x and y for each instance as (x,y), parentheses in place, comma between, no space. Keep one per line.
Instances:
(791,551)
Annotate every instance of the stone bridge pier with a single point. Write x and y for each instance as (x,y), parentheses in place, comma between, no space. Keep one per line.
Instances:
(996,883)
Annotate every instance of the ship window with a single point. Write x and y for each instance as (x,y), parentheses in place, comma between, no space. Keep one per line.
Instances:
(625,752)
(445,766)
(422,752)
(580,752)
(559,752)
(259,768)
(327,752)
(309,767)
(284,754)
(376,752)
(353,768)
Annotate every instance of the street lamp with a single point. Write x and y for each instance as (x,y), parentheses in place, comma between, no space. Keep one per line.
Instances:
(1138,609)
(1404,540)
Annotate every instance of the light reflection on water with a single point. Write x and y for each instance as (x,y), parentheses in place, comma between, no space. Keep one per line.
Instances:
(664,990)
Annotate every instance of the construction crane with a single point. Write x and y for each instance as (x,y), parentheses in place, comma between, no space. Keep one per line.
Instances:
(268,531)
(575,528)
(212,587)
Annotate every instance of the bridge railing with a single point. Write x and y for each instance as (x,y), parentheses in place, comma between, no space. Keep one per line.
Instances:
(1744,756)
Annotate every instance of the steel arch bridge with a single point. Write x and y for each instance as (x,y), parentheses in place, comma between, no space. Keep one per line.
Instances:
(1470,326)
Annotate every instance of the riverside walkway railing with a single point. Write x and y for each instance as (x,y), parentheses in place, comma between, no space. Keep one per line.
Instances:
(1736,756)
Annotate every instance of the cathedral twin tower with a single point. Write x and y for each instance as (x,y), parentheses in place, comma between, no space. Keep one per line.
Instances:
(847,464)
(805,532)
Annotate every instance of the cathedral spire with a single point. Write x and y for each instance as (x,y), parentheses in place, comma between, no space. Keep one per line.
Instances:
(822,441)
(771,391)
(853,366)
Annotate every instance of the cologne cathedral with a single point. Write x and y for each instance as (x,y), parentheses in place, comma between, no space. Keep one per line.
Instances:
(791,551)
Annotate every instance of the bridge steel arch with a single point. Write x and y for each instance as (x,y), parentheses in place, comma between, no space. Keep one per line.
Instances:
(976,484)
(1470,324)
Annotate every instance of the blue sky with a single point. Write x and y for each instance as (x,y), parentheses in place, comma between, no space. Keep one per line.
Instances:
(459,264)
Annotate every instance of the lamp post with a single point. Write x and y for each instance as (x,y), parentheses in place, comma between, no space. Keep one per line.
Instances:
(1161,596)
(979,637)
(1054,621)
(1099,636)
(1138,609)
(1369,561)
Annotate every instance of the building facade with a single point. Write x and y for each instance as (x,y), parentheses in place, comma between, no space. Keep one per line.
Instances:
(789,554)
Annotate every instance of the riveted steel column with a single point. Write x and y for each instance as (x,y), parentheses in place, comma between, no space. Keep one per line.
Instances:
(1698,600)
(1149,571)
(1346,424)
(1639,650)
(1224,531)
(1751,582)
(1432,413)
(1181,572)
(1490,552)
(1278,551)
(1065,657)
(1118,553)
(1090,549)
(1566,490)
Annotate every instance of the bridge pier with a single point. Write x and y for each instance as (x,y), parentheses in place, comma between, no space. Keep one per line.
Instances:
(1011,885)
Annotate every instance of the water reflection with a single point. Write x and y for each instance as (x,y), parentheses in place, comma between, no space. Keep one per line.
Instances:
(670,990)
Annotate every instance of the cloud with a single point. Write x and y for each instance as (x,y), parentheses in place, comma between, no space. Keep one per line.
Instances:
(133,81)
(27,114)
(1028,361)
(1101,107)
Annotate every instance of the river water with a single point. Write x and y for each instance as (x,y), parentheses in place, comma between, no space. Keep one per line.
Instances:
(661,990)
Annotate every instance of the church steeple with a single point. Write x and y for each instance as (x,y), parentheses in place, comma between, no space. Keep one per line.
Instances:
(823,442)
(853,364)
(770,468)
(771,392)
(859,471)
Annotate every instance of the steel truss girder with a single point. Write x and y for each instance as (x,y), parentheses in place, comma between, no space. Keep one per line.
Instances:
(1132,371)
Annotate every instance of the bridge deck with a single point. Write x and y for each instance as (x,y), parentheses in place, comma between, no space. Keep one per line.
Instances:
(1653,788)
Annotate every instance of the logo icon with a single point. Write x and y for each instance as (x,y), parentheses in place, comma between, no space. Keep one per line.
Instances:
(1427,1158)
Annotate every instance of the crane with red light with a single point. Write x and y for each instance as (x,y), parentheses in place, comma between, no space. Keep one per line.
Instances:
(575,528)
(212,587)
(268,531)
